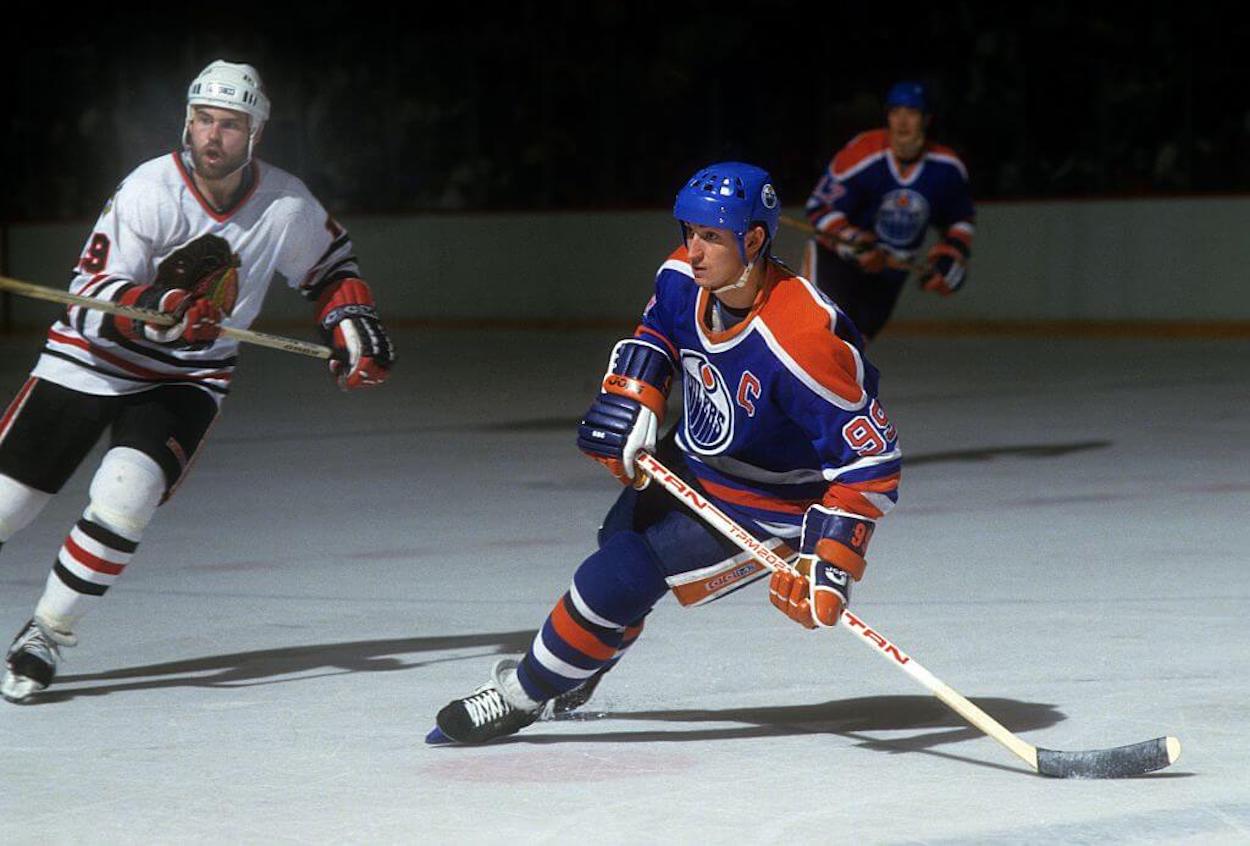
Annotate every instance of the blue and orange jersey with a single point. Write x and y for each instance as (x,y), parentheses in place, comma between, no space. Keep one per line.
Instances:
(780,411)
(866,186)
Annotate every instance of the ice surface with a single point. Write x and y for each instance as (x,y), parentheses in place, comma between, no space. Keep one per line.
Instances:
(1070,552)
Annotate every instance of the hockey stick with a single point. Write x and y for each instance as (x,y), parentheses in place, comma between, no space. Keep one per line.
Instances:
(262,339)
(890,261)
(1119,762)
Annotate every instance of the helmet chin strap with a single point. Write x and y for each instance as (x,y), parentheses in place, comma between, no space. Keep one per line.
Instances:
(746,271)
(742,280)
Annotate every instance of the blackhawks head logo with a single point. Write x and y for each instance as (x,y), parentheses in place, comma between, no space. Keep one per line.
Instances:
(205,266)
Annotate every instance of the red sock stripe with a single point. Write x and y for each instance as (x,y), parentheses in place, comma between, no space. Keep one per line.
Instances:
(572,633)
(92,562)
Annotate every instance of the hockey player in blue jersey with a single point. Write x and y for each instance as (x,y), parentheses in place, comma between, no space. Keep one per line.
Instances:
(780,427)
(872,209)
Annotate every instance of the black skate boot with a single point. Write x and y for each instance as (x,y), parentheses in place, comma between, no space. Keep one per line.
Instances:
(567,703)
(32,660)
(486,714)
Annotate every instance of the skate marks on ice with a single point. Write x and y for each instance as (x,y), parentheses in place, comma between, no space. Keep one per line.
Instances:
(286,664)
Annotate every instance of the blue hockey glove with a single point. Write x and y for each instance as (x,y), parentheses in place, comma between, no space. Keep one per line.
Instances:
(625,417)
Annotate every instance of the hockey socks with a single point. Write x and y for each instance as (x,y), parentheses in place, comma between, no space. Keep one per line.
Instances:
(596,620)
(89,562)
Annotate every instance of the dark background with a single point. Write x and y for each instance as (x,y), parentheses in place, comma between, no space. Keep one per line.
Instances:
(565,105)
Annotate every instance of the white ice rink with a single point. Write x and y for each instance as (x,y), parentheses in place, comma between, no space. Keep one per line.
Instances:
(1070,551)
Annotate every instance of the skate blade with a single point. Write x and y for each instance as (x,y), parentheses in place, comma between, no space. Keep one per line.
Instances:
(437,738)
(576,716)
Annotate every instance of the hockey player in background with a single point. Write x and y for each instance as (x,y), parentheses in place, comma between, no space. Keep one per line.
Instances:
(198,234)
(872,209)
(781,428)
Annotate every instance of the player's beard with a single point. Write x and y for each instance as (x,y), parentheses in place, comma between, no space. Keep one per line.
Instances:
(218,169)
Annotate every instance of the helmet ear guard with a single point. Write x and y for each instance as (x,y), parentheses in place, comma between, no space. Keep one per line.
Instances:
(733,196)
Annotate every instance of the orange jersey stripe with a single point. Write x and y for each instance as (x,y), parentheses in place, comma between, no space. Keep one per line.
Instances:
(753,500)
(859,148)
(802,327)
(851,501)
(883,485)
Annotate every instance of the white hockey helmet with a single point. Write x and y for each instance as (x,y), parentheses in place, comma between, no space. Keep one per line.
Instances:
(230,85)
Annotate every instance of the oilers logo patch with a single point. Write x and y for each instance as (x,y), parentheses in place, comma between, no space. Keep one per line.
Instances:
(709,418)
(902,217)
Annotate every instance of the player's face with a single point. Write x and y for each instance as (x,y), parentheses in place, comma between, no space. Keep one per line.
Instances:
(713,256)
(906,129)
(218,141)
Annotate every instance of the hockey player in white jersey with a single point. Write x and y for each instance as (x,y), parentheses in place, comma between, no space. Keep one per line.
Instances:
(199,234)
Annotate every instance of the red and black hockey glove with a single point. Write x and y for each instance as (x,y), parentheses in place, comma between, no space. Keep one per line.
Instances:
(349,323)
(197,318)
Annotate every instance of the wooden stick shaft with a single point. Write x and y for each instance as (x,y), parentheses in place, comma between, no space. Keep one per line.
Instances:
(262,339)
(891,261)
(851,623)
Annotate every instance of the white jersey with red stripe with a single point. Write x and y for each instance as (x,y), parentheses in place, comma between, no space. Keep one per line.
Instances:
(275,229)
(780,410)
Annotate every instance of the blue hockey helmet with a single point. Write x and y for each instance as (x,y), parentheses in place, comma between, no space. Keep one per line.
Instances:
(733,196)
(907,93)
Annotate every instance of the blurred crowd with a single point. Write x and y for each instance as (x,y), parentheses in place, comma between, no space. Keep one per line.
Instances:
(563,105)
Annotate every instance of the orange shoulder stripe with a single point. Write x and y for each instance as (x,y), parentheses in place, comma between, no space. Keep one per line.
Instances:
(802,326)
(859,148)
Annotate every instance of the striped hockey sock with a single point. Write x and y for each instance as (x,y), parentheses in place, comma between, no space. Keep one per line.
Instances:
(573,644)
(596,620)
(89,561)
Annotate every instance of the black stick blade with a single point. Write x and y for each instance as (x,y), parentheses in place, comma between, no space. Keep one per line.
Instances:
(1120,762)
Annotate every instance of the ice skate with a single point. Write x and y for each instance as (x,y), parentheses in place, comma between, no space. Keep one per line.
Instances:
(32,661)
(568,702)
(487,713)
